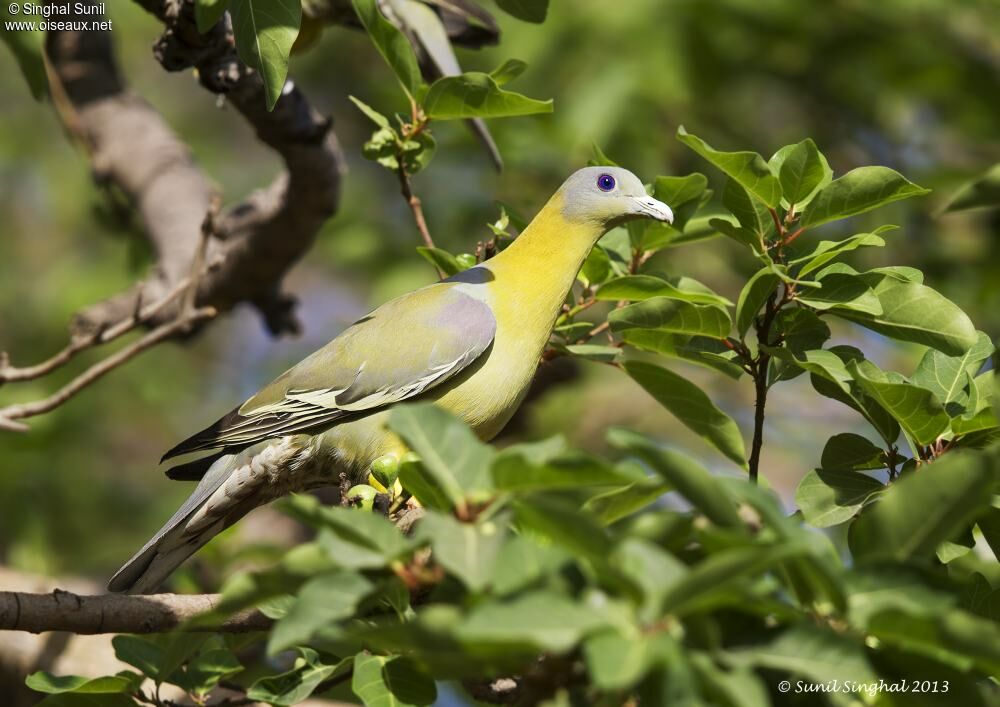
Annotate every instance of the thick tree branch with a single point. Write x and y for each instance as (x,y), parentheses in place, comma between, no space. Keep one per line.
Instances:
(116,613)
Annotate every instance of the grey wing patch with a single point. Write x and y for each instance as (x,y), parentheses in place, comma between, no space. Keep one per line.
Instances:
(369,366)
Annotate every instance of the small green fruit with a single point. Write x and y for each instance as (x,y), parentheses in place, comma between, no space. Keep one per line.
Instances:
(362,496)
(385,469)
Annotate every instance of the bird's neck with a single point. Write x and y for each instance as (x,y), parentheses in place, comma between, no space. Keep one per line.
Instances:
(536,272)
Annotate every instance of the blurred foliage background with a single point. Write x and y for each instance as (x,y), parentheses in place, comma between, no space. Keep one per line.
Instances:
(911,84)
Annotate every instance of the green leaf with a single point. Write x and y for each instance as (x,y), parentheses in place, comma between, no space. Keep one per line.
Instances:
(527,10)
(514,472)
(753,296)
(692,407)
(637,288)
(543,620)
(948,376)
(814,653)
(560,520)
(441,259)
(916,409)
(27,47)
(208,12)
(858,191)
(156,656)
(508,71)
(202,673)
(619,503)
(477,95)
(747,168)
(265,31)
(684,194)
(616,661)
(687,477)
(672,315)
(392,44)
(391,681)
(448,449)
(984,191)
(828,497)
(751,214)
(467,550)
(743,236)
(719,572)
(703,350)
(124,682)
(596,268)
(914,312)
(323,600)
(850,452)
(924,508)
(802,170)
(842,291)
(825,251)
(801,330)
(831,378)
(372,114)
(297,684)
(954,637)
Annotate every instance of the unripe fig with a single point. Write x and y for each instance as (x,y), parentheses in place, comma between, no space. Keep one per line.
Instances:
(362,496)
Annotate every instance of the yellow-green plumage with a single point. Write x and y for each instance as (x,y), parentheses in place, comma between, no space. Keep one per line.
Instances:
(470,344)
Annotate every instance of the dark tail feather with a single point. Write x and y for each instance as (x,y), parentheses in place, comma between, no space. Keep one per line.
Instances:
(207,438)
(193,470)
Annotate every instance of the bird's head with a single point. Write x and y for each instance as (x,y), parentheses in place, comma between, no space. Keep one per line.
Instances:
(609,196)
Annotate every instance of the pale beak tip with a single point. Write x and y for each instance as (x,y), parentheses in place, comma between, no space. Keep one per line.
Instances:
(655,209)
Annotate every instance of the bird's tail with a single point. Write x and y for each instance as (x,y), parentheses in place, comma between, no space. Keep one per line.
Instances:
(230,489)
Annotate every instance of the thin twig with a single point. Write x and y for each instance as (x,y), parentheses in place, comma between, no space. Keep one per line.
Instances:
(416,207)
(100,369)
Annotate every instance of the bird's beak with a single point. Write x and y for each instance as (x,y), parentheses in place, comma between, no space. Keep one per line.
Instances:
(653,208)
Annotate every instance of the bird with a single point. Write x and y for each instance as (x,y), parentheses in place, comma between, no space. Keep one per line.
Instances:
(469,344)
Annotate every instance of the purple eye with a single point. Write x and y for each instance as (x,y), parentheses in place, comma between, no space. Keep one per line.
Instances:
(605,182)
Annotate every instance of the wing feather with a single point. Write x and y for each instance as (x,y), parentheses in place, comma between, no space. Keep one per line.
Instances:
(403,348)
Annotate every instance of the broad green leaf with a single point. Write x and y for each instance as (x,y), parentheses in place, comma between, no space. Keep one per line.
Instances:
(203,672)
(423,485)
(508,71)
(948,376)
(800,330)
(802,170)
(265,31)
(156,656)
(914,312)
(441,259)
(516,473)
(753,296)
(683,194)
(747,168)
(527,10)
(467,550)
(637,288)
(955,637)
(448,449)
(596,268)
(740,234)
(295,685)
(124,682)
(703,350)
(392,44)
(858,191)
(819,654)
(600,159)
(831,378)
(917,410)
(924,508)
(851,452)
(594,352)
(842,291)
(825,251)
(560,520)
(672,315)
(751,214)
(616,661)
(27,47)
(544,620)
(738,687)
(720,571)
(391,681)
(692,407)
(323,600)
(619,503)
(686,476)
(828,497)
(477,95)
(984,191)
(208,12)
(875,589)
(524,559)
